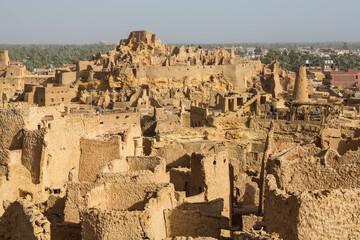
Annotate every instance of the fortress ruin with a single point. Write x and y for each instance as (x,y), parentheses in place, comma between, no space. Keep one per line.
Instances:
(151,141)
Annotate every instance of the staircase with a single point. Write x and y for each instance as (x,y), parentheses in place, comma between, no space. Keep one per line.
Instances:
(247,103)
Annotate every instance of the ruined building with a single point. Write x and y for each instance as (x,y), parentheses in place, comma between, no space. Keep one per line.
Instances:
(155,142)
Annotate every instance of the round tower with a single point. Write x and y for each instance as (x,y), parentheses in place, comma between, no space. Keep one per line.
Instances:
(4,59)
(301,86)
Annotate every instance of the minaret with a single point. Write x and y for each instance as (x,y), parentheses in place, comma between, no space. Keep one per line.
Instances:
(4,59)
(301,85)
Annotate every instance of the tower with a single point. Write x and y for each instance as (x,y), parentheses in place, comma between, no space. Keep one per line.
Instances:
(4,59)
(301,85)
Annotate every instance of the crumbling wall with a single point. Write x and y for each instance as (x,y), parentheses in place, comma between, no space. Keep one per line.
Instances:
(11,125)
(22,220)
(67,78)
(210,174)
(75,198)
(245,160)
(4,162)
(297,170)
(329,214)
(256,235)
(33,153)
(340,138)
(153,218)
(318,214)
(61,231)
(95,153)
(63,134)
(145,168)
(180,177)
(108,225)
(118,192)
(138,163)
(192,223)
(96,198)
(313,193)
(129,196)
(238,74)
(116,121)
(174,154)
(197,177)
(145,222)
(117,187)
(211,208)
(251,221)
(281,211)
(16,180)
(198,116)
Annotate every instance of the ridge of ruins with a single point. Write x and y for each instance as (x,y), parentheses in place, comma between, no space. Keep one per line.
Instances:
(151,141)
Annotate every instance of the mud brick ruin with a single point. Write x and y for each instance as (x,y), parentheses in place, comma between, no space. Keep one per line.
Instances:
(151,141)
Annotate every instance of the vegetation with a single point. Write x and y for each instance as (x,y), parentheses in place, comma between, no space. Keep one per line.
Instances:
(291,60)
(43,55)
(290,46)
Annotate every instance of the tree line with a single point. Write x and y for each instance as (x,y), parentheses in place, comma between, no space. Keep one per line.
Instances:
(290,60)
(34,56)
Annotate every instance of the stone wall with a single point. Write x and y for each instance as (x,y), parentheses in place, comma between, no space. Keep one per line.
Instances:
(16,180)
(146,168)
(11,124)
(4,163)
(318,214)
(238,74)
(116,187)
(108,225)
(242,158)
(147,222)
(192,223)
(329,214)
(256,235)
(61,231)
(281,211)
(33,153)
(198,116)
(95,153)
(313,193)
(129,196)
(67,78)
(299,170)
(22,220)
(47,143)
(210,174)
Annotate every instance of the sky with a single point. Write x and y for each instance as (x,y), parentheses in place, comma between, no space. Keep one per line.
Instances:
(175,21)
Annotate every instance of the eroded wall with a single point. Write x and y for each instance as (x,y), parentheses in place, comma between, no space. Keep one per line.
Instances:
(22,220)
(95,153)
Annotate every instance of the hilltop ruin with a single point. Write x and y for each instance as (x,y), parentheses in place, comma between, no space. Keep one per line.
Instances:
(149,141)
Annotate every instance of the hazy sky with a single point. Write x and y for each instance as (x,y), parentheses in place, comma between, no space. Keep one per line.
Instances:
(175,21)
